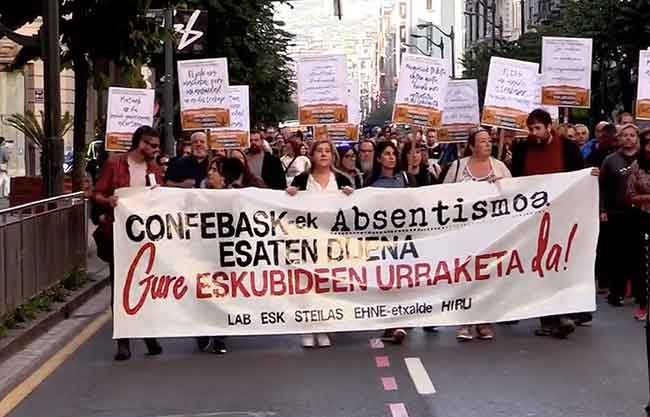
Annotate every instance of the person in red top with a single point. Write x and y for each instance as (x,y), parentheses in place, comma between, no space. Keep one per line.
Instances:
(132,169)
(546,153)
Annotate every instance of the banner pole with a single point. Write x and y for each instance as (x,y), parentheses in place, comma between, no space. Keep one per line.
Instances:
(646,252)
(502,138)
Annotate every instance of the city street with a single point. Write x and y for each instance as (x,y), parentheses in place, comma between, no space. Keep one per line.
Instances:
(599,371)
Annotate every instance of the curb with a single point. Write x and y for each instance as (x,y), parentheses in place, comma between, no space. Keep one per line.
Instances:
(36,328)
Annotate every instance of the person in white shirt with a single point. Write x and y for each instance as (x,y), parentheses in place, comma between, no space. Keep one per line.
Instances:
(321,177)
(292,161)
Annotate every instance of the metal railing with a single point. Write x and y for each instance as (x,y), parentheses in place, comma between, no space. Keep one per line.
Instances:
(40,243)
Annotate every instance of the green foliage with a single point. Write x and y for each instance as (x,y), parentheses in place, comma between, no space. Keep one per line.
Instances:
(42,302)
(30,126)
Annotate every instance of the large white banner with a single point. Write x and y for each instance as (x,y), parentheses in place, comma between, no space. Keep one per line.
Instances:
(421,91)
(510,93)
(566,71)
(251,261)
(322,89)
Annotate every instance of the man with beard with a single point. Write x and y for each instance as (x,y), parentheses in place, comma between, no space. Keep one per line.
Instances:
(545,153)
(189,171)
(366,157)
(131,169)
(265,165)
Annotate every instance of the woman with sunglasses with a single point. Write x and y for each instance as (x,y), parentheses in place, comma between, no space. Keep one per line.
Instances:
(478,166)
(322,177)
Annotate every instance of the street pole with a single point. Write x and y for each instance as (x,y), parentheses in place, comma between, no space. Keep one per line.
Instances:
(453,52)
(522,3)
(494,21)
(168,86)
(53,152)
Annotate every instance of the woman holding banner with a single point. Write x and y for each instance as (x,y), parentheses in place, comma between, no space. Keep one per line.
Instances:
(322,176)
(479,166)
(386,173)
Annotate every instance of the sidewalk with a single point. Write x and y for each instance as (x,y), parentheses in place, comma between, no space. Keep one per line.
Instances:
(24,350)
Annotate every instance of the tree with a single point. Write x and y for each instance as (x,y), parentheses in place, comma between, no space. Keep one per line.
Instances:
(32,128)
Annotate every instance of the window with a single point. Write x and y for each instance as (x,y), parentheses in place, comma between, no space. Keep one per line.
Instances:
(429,4)
(402,34)
(402,10)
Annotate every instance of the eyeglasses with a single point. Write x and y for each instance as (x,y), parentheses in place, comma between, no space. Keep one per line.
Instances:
(350,156)
(152,145)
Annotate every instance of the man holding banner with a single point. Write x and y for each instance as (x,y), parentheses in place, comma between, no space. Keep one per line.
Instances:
(545,153)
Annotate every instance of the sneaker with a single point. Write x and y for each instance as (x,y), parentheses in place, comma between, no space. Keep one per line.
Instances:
(543,331)
(388,336)
(398,336)
(323,340)
(216,346)
(584,319)
(464,335)
(308,340)
(485,332)
(640,314)
(566,327)
(614,300)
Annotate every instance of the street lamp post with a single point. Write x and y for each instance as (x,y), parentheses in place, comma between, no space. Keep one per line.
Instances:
(52,83)
(452,38)
(410,45)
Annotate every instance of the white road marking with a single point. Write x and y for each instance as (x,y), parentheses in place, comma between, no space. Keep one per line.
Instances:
(420,377)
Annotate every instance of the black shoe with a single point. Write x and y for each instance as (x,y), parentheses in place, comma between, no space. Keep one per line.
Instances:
(430,329)
(614,300)
(566,327)
(123,350)
(543,331)
(583,319)
(153,347)
(202,342)
(217,346)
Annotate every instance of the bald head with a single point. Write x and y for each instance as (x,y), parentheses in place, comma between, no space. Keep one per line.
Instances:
(199,145)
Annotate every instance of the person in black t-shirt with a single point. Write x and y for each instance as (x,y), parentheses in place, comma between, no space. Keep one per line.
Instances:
(189,171)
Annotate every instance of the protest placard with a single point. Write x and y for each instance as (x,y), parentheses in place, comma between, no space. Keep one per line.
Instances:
(643,88)
(236,136)
(566,71)
(322,89)
(554,111)
(128,109)
(461,111)
(510,92)
(338,133)
(203,89)
(421,91)
(254,261)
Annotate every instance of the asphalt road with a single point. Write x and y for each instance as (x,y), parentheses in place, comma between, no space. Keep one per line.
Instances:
(600,371)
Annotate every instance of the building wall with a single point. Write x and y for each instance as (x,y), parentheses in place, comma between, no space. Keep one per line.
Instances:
(12,100)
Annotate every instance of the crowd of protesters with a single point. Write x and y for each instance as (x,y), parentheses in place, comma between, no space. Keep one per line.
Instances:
(390,158)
